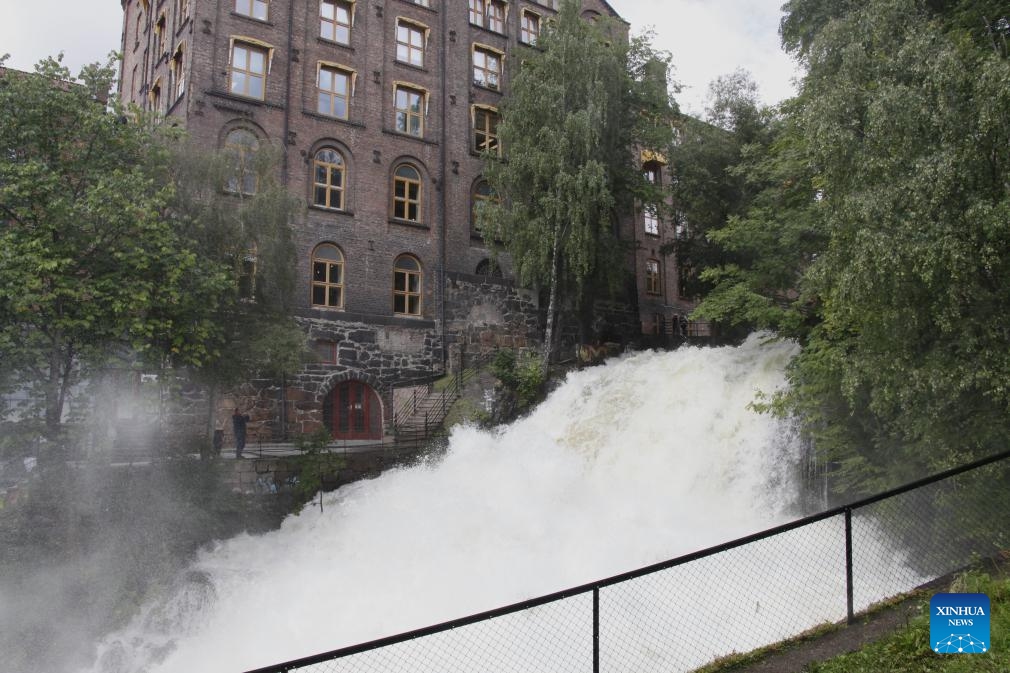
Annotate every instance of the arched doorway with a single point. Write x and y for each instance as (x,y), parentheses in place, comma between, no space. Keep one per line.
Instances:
(352,410)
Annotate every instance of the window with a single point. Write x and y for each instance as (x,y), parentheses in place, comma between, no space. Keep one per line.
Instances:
(529,29)
(651,173)
(488,268)
(182,9)
(485,130)
(553,4)
(488,14)
(410,38)
(327,276)
(159,33)
(651,220)
(335,21)
(407,193)
(326,351)
(247,276)
(248,70)
(477,12)
(328,179)
(407,286)
(496,16)
(334,90)
(240,147)
(423,3)
(179,69)
(409,110)
(486,67)
(482,195)
(154,96)
(652,276)
(257,9)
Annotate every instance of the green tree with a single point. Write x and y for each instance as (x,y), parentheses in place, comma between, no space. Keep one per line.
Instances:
(90,265)
(905,117)
(577,107)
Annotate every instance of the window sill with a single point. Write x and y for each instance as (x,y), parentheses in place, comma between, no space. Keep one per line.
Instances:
(328,118)
(425,7)
(262,22)
(489,31)
(408,223)
(401,134)
(331,211)
(258,102)
(333,43)
(407,64)
(485,87)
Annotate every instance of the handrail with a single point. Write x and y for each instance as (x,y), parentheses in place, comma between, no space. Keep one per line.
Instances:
(842,510)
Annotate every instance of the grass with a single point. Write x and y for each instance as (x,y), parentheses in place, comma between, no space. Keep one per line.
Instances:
(908,650)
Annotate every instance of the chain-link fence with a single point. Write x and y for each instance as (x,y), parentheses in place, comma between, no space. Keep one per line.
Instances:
(684,613)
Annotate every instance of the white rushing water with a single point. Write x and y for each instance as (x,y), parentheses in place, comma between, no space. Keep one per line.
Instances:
(643,459)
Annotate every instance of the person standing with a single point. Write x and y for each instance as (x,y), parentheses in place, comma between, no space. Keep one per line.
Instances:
(238,424)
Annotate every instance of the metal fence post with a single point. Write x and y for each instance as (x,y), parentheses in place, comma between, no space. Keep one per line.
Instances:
(850,613)
(596,630)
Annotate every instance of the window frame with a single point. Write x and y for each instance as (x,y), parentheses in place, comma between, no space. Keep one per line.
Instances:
(249,9)
(524,30)
(413,28)
(402,203)
(650,220)
(178,66)
(406,292)
(327,285)
(330,168)
(478,197)
(243,153)
(252,46)
(408,112)
(490,113)
(349,6)
(487,52)
(335,69)
(653,277)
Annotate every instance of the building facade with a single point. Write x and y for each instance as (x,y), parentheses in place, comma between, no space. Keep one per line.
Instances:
(380,111)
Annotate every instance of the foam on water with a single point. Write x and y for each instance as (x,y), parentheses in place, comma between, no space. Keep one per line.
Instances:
(646,458)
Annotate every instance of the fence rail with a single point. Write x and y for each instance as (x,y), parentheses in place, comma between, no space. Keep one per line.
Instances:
(682,613)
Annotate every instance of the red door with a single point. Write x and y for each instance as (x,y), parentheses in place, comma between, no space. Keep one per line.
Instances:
(355,411)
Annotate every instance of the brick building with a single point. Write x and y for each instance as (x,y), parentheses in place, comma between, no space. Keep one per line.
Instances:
(380,110)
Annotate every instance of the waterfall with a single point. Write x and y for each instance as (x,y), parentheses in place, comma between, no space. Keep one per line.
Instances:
(648,457)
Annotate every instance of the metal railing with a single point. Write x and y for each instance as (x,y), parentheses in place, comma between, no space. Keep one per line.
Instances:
(425,409)
(672,616)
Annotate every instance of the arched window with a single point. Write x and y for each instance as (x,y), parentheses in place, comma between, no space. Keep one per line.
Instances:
(407,286)
(327,276)
(407,193)
(481,196)
(328,179)
(488,268)
(240,146)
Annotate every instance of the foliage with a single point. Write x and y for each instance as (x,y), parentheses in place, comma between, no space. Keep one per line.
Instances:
(119,249)
(905,114)
(91,265)
(521,375)
(576,108)
(316,466)
(908,649)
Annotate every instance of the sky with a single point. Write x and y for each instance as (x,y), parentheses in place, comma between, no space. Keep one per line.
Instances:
(707,38)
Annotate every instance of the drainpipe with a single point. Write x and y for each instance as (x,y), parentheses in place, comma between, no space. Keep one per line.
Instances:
(442,201)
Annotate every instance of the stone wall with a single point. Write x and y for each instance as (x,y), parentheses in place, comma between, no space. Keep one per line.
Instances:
(484,313)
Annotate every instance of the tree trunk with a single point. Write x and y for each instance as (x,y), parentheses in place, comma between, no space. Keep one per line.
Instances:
(552,306)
